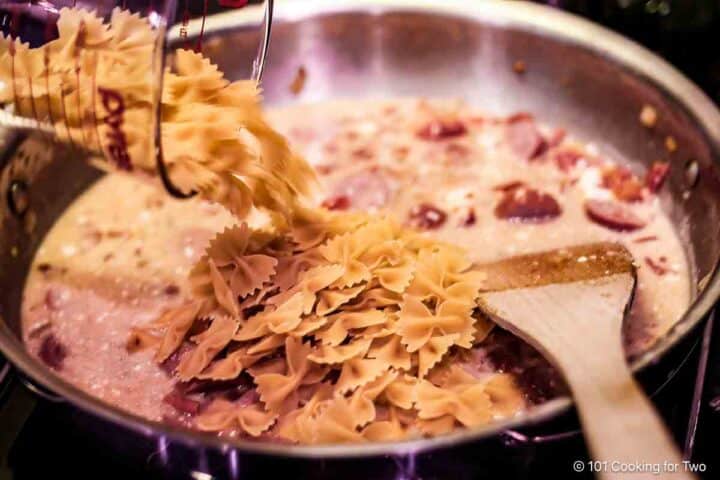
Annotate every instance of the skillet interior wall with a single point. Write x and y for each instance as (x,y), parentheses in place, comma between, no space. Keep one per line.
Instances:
(46,177)
(361,55)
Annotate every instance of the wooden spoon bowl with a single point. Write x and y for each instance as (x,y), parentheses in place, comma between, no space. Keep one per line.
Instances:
(570,304)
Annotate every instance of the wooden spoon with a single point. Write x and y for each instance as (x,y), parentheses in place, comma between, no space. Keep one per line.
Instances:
(570,304)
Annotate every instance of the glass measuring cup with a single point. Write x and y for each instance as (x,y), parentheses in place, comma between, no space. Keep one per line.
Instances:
(94,80)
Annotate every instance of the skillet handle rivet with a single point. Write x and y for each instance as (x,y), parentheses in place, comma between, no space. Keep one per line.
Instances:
(692,173)
(18,198)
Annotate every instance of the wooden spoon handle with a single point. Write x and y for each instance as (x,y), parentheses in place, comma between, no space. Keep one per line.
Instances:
(622,429)
(577,327)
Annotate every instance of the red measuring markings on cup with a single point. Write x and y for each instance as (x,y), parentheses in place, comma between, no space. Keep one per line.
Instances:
(115,108)
(185,21)
(232,3)
(186,16)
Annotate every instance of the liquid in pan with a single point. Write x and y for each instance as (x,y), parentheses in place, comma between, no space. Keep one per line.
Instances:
(495,186)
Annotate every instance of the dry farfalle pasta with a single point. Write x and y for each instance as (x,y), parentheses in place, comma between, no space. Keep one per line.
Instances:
(95,86)
(334,351)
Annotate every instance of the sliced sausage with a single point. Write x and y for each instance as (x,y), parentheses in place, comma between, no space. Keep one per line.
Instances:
(613,215)
(527,205)
(525,139)
(656,176)
(509,186)
(52,352)
(337,202)
(469,219)
(566,160)
(366,189)
(181,402)
(426,217)
(437,129)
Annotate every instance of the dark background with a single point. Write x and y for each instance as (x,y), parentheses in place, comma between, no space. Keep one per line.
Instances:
(684,32)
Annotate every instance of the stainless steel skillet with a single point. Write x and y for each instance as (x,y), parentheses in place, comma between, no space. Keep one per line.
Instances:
(578,75)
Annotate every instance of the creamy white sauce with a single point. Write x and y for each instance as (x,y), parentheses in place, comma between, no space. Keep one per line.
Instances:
(116,254)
